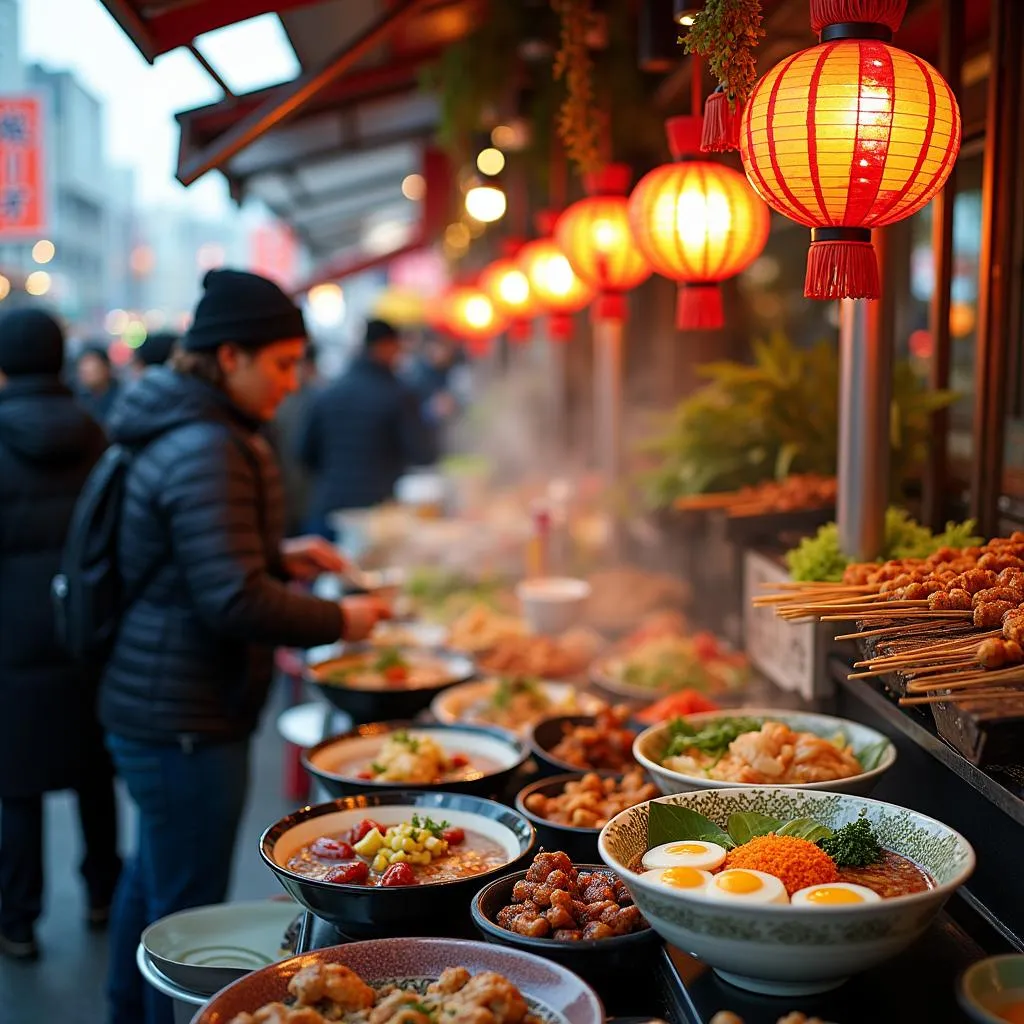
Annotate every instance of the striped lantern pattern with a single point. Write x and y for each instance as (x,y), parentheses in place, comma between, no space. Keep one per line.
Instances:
(595,235)
(469,314)
(509,289)
(849,135)
(698,223)
(556,288)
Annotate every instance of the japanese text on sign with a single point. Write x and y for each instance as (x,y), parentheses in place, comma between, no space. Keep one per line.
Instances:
(22,182)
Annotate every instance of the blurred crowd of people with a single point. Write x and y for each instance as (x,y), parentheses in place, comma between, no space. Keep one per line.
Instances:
(234,453)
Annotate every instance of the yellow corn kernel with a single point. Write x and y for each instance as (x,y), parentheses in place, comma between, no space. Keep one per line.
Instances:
(410,845)
(401,857)
(433,844)
(369,844)
(419,858)
(395,843)
(380,863)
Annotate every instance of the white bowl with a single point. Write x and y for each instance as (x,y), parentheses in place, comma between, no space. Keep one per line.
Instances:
(451,706)
(785,949)
(552,604)
(650,745)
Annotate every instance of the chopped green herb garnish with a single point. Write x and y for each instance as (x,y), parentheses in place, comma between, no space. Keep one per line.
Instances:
(854,845)
(429,824)
(406,740)
(510,687)
(713,739)
(377,769)
(389,657)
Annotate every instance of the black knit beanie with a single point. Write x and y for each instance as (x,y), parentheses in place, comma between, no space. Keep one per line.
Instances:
(377,331)
(156,349)
(31,342)
(242,308)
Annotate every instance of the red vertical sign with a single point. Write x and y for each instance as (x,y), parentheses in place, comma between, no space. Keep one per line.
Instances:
(273,252)
(22,170)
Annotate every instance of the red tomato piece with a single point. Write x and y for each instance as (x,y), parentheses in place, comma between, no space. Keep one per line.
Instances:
(396,674)
(458,760)
(365,826)
(398,874)
(364,775)
(705,646)
(454,836)
(355,872)
(332,849)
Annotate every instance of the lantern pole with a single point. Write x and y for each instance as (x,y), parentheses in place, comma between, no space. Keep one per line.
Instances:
(608,395)
(865,390)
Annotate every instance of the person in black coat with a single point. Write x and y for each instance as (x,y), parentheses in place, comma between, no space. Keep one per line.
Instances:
(201,538)
(364,431)
(48,445)
(98,388)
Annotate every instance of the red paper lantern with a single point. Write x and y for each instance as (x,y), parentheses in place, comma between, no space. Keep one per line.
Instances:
(594,234)
(698,223)
(850,135)
(556,287)
(509,289)
(470,315)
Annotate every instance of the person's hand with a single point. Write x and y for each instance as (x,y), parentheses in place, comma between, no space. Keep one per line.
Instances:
(361,613)
(305,558)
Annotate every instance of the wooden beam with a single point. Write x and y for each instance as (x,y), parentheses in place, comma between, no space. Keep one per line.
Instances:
(951,55)
(296,95)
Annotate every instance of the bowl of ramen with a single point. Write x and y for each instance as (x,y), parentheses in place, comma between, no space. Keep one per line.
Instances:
(417,980)
(785,891)
(403,755)
(511,702)
(400,862)
(380,683)
(764,747)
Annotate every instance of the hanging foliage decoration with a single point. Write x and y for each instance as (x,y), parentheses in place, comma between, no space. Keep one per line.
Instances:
(725,34)
(579,119)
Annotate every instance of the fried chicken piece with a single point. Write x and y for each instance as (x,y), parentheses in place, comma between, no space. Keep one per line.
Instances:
(1000,561)
(991,613)
(527,920)
(398,1007)
(1013,626)
(623,920)
(336,982)
(596,888)
(486,991)
(954,599)
(544,863)
(597,930)
(976,579)
(560,913)
(1013,594)
(568,935)
(593,911)
(726,1017)
(452,979)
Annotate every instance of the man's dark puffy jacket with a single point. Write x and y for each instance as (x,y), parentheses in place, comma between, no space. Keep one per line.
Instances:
(361,434)
(194,656)
(48,445)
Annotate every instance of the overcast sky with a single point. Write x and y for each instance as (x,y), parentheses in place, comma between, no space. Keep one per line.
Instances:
(140,99)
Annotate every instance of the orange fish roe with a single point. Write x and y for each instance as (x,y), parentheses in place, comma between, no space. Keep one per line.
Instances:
(797,863)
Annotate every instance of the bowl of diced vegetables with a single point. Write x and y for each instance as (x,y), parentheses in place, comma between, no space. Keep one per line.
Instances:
(764,747)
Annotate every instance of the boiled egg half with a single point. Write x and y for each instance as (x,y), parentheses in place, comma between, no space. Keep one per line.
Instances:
(693,853)
(680,878)
(746,886)
(835,894)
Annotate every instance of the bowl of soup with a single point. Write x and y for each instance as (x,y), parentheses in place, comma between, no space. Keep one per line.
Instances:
(400,755)
(374,684)
(401,862)
(785,891)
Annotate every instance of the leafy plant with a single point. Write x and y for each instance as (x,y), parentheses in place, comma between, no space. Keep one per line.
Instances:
(776,416)
(579,120)
(726,34)
(667,823)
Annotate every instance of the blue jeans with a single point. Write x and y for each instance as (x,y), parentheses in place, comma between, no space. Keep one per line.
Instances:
(190,802)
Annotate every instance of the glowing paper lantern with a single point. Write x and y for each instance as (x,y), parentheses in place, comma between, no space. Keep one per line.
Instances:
(698,223)
(469,314)
(509,289)
(594,234)
(850,135)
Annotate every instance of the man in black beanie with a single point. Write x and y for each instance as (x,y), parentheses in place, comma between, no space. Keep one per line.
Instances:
(364,431)
(48,445)
(154,351)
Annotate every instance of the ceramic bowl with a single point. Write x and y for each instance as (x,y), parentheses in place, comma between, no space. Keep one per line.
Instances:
(206,948)
(579,843)
(988,987)
(600,962)
(555,995)
(546,735)
(552,604)
(457,704)
(359,911)
(650,745)
(784,949)
(334,761)
(393,702)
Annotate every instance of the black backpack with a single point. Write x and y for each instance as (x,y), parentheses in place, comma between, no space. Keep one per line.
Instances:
(89,595)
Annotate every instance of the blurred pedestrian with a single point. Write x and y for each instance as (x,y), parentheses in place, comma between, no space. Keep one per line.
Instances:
(364,431)
(285,438)
(154,351)
(48,445)
(201,550)
(437,375)
(97,387)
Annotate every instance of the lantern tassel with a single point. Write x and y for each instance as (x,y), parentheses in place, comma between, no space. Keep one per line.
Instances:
(721,124)
(842,269)
(609,306)
(699,307)
(561,327)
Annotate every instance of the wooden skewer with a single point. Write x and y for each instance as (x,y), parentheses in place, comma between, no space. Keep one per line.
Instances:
(910,614)
(720,499)
(817,584)
(1013,673)
(937,648)
(957,698)
(927,686)
(886,631)
(938,668)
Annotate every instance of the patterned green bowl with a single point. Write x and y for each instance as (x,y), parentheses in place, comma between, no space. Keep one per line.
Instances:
(782,949)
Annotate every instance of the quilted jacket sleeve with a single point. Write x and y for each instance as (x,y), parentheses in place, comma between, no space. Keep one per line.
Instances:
(211,497)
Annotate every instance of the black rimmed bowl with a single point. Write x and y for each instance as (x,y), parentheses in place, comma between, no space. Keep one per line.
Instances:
(554,995)
(548,733)
(359,911)
(580,844)
(379,704)
(494,756)
(604,963)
